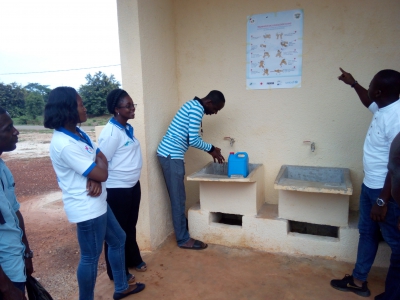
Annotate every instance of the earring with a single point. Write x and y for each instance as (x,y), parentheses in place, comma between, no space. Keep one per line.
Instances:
(118,114)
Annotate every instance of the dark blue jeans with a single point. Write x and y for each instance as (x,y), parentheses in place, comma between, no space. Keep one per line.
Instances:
(174,174)
(91,235)
(369,241)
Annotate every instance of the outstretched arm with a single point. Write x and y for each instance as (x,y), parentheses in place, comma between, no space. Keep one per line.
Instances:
(362,93)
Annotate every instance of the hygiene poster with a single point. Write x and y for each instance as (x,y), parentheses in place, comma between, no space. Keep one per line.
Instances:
(274,50)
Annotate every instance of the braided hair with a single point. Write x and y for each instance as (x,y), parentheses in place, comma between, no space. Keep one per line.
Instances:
(113,99)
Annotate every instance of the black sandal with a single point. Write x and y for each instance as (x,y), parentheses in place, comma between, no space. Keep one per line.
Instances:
(197,245)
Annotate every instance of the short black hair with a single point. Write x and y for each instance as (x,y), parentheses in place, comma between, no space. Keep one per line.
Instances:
(389,81)
(2,111)
(61,108)
(216,97)
(113,99)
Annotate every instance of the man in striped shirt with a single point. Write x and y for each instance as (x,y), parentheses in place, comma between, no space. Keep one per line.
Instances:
(182,133)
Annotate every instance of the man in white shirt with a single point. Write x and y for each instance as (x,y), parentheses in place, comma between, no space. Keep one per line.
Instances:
(378,211)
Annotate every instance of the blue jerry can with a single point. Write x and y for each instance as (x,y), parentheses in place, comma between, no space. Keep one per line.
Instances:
(238,164)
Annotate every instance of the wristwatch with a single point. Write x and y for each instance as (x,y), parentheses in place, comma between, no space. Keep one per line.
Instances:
(28,254)
(380,202)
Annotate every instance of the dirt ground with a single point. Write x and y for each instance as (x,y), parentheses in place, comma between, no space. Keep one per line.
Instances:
(51,236)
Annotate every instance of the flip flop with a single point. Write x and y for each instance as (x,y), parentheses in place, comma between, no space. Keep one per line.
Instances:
(140,287)
(142,267)
(197,245)
(131,280)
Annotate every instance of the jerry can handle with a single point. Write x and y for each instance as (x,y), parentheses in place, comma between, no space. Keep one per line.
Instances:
(243,154)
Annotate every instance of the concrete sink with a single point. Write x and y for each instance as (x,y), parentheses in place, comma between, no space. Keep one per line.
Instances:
(317,195)
(219,172)
(219,193)
(314,180)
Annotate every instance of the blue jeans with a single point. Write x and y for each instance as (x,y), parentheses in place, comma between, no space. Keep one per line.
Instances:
(91,235)
(174,174)
(369,240)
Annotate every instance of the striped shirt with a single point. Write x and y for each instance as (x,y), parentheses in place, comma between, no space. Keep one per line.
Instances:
(184,132)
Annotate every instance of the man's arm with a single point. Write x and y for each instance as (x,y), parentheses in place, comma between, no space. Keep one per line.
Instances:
(362,93)
(28,261)
(7,288)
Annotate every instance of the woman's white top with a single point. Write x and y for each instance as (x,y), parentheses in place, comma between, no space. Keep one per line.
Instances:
(122,150)
(73,158)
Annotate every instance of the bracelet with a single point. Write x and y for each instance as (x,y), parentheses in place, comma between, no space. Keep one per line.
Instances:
(354,84)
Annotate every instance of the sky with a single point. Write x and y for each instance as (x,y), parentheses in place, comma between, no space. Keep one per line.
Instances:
(53,35)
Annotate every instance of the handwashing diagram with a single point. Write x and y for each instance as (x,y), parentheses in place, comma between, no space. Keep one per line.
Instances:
(274,50)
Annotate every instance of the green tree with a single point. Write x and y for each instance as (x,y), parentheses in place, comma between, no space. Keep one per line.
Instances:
(43,90)
(34,104)
(12,99)
(94,92)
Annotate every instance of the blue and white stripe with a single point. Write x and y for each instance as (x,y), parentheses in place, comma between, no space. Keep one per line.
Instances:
(184,132)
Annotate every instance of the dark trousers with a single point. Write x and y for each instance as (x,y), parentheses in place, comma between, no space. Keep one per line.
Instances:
(125,202)
(369,241)
(19,285)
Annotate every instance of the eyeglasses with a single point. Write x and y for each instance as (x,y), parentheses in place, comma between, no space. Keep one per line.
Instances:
(128,106)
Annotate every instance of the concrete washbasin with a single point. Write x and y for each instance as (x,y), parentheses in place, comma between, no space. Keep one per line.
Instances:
(314,179)
(317,195)
(219,172)
(219,193)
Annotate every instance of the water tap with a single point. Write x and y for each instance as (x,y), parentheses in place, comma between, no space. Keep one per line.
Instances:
(231,140)
(312,145)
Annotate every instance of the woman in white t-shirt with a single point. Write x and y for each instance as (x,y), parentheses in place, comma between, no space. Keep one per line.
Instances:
(81,170)
(122,150)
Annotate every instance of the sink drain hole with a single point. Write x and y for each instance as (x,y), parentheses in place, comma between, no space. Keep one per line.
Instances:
(228,219)
(313,229)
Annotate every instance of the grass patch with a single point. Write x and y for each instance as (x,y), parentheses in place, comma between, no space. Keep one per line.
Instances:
(97,121)
(27,120)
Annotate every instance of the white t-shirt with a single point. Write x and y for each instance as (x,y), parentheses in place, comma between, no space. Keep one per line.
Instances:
(123,154)
(384,127)
(73,159)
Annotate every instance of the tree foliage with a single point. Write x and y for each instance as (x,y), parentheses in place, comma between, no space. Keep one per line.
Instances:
(95,91)
(12,99)
(43,90)
(34,104)
(29,100)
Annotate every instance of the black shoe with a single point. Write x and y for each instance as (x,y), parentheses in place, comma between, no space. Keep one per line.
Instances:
(139,287)
(347,285)
(380,296)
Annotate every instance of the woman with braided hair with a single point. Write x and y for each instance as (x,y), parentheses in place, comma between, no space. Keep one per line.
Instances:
(122,150)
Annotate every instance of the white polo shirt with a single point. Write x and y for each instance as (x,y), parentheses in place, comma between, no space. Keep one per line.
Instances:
(384,127)
(73,159)
(123,153)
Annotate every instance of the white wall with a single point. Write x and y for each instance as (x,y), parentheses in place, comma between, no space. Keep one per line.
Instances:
(172,50)
(271,125)
(147,44)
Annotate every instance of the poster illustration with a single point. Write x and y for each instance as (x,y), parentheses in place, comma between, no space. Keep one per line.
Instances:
(274,50)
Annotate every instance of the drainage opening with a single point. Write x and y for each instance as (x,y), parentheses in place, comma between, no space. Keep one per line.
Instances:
(313,229)
(228,219)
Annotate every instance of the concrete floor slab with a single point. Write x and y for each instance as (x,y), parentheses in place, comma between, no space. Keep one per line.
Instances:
(221,272)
